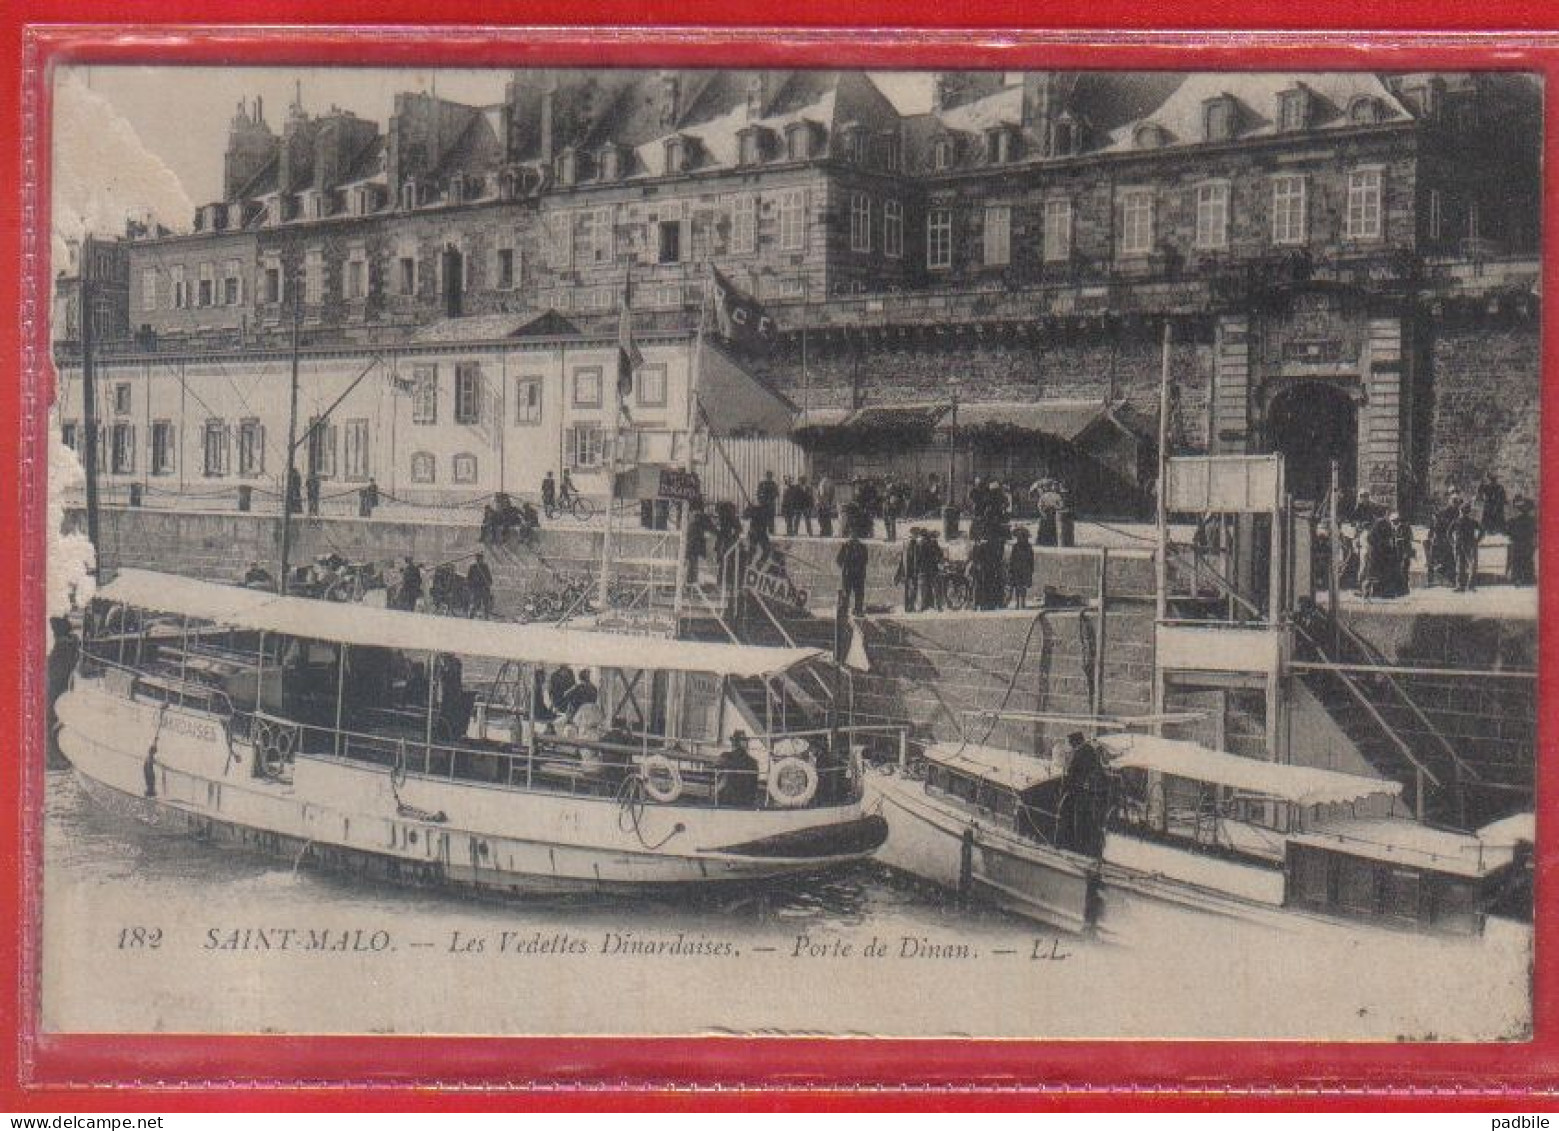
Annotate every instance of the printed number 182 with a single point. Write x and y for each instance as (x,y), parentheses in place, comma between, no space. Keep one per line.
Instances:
(140,938)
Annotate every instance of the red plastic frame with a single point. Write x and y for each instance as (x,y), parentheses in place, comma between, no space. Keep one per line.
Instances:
(200,1073)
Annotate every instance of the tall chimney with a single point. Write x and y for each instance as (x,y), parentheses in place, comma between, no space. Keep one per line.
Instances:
(546,140)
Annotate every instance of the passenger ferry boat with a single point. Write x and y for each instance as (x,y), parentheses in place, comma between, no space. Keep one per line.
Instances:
(406,747)
(1187,825)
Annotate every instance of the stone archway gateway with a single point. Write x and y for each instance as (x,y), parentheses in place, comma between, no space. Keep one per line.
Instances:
(1313,423)
(1317,372)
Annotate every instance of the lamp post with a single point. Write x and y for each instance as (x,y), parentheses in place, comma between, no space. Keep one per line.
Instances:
(952,442)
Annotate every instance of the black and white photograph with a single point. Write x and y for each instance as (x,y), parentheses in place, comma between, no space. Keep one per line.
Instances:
(617,552)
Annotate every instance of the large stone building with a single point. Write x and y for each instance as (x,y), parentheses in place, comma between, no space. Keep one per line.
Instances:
(1348,261)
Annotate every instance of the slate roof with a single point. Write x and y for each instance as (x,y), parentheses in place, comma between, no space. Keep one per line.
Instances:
(1256,96)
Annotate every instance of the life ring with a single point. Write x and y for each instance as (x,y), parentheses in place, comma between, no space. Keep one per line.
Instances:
(662,780)
(792,782)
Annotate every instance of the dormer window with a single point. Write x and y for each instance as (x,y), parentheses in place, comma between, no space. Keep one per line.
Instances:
(676,155)
(409,195)
(1293,109)
(1148,136)
(893,149)
(755,96)
(798,141)
(1065,137)
(313,205)
(999,145)
(942,154)
(856,145)
(456,193)
(750,143)
(611,163)
(1218,119)
(567,167)
(1426,99)
(1364,111)
(273,209)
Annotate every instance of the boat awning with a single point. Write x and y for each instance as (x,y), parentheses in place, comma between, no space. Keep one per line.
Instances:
(390,628)
(1510,830)
(1395,841)
(1008,768)
(1300,785)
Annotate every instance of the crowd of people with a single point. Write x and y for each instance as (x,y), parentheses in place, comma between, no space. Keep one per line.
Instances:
(996,567)
(1384,545)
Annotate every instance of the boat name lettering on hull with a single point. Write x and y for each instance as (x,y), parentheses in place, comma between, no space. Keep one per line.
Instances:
(192,728)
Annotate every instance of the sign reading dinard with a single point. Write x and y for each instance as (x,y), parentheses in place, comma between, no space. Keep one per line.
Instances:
(770,578)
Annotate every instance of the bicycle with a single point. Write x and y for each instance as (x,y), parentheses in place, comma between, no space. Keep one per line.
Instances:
(957,590)
(581,508)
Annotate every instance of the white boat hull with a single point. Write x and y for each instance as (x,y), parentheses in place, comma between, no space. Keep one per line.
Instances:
(943,845)
(352,816)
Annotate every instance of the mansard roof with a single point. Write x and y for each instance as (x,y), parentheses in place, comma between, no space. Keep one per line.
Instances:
(1256,96)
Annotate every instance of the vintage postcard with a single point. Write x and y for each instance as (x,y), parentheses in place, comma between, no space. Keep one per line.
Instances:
(717,551)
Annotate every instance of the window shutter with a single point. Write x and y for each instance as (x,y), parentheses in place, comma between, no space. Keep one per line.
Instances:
(606,233)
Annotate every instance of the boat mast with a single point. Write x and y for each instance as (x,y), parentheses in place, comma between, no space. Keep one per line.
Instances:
(86,303)
(1161,524)
(292,441)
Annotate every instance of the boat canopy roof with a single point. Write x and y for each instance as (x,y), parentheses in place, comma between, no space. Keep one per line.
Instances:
(366,625)
(1510,830)
(1300,785)
(1007,768)
(1397,841)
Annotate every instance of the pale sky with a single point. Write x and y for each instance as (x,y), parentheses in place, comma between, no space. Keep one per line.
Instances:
(181,114)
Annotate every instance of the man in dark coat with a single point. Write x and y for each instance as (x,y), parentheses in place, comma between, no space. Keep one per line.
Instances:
(479,587)
(1379,563)
(1020,568)
(738,773)
(367,499)
(411,585)
(1403,553)
(869,501)
(698,530)
(311,488)
(728,531)
(1520,557)
(808,504)
(930,570)
(559,684)
(908,572)
(759,522)
(1085,798)
(1491,505)
(892,510)
(790,507)
(549,493)
(1465,536)
(767,499)
(852,575)
(826,507)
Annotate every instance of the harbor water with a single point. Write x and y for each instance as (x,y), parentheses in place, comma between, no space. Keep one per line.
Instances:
(149,930)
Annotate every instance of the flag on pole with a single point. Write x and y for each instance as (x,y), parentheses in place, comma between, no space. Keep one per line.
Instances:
(629,359)
(401,383)
(739,318)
